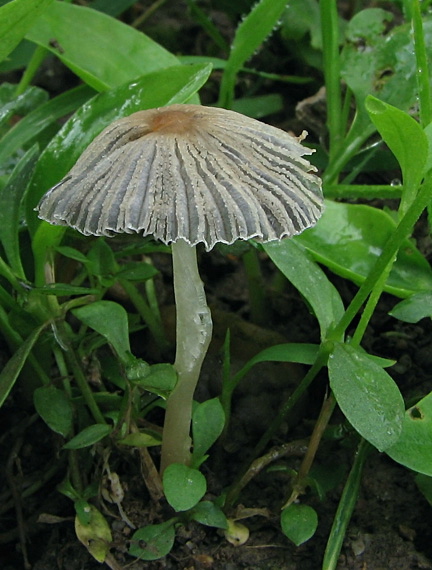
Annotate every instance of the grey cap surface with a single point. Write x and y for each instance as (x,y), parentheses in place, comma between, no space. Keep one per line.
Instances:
(197,173)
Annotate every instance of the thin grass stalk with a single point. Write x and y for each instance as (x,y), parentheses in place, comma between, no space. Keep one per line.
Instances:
(330,39)
(422,66)
(345,508)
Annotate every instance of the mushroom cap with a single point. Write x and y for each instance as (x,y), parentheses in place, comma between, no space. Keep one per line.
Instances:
(190,172)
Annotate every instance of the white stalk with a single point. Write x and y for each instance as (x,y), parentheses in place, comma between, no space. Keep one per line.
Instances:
(194,331)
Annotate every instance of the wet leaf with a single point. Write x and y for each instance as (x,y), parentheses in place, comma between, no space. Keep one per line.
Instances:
(349,238)
(414,447)
(414,308)
(16,18)
(10,200)
(101,50)
(367,395)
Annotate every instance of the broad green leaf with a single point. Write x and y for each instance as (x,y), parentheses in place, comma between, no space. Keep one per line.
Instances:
(183,486)
(101,50)
(173,85)
(40,118)
(299,523)
(349,238)
(414,447)
(424,483)
(208,420)
(153,541)
(299,268)
(367,395)
(414,308)
(209,514)
(16,18)
(110,320)
(22,105)
(404,137)
(382,64)
(96,535)
(10,200)
(55,408)
(88,436)
(10,373)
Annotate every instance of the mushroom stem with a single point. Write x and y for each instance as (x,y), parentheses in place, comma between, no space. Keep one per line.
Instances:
(194,330)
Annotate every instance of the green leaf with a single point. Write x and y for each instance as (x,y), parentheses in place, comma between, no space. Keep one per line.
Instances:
(209,514)
(137,271)
(349,238)
(16,18)
(367,395)
(299,523)
(140,439)
(183,486)
(404,137)
(101,50)
(414,308)
(110,320)
(88,436)
(208,420)
(161,378)
(55,408)
(251,32)
(96,535)
(72,253)
(10,373)
(383,64)
(10,200)
(62,289)
(173,85)
(153,541)
(414,447)
(41,117)
(299,268)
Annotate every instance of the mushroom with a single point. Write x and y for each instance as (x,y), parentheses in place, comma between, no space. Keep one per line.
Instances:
(188,174)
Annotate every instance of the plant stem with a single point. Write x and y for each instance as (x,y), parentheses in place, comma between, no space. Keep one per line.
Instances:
(422,66)
(391,248)
(345,508)
(330,39)
(194,329)
(151,320)
(35,62)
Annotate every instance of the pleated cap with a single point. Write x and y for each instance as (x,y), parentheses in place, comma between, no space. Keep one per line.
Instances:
(189,172)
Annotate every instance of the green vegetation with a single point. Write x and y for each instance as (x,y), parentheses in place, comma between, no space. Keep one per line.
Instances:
(54,314)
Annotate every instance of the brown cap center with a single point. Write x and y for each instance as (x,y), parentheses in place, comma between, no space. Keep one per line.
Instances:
(176,122)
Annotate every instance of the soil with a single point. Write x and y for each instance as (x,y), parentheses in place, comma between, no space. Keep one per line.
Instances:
(390,526)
